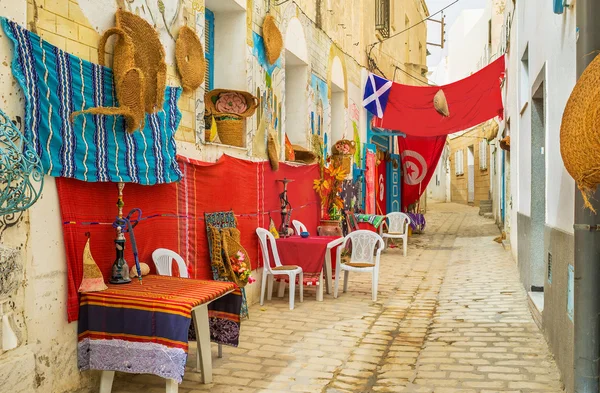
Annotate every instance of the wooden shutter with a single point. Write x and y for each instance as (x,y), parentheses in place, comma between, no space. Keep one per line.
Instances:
(209,48)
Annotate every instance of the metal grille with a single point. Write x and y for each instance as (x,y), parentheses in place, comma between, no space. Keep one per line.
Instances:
(382,17)
(550,268)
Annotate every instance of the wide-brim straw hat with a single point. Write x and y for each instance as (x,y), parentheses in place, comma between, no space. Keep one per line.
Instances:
(189,55)
(579,132)
(304,155)
(149,57)
(272,38)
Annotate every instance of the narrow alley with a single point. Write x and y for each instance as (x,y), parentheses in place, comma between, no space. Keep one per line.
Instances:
(450,317)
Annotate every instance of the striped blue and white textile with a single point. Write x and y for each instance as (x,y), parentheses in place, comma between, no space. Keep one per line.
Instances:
(92,148)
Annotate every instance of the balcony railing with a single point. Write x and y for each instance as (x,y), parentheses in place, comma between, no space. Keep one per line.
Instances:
(382,17)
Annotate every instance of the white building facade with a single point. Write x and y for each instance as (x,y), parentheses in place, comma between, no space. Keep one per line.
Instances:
(541,72)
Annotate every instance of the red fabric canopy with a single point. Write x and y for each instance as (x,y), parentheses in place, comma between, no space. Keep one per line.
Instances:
(471,101)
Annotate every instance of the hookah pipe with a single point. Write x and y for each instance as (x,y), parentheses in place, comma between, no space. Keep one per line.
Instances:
(126,224)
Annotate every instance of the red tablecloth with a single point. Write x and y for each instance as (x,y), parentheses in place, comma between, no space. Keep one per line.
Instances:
(307,253)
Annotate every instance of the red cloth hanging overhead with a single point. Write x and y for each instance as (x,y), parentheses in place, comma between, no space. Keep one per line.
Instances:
(471,101)
(420,157)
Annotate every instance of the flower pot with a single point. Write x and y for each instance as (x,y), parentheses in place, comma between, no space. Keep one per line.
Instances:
(330,223)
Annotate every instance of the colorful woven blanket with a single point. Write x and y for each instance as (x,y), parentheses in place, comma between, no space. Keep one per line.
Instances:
(92,148)
(371,219)
(144,328)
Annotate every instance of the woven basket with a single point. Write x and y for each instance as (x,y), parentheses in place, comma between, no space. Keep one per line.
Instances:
(231,245)
(189,54)
(272,38)
(230,129)
(211,97)
(344,161)
(579,133)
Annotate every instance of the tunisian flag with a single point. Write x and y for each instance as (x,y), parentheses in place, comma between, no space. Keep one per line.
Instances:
(409,109)
(420,156)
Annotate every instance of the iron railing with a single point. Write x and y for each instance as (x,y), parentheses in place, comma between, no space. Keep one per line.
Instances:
(382,17)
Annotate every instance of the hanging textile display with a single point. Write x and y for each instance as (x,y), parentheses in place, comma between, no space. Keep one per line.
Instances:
(371,160)
(423,111)
(21,173)
(174,214)
(420,157)
(92,148)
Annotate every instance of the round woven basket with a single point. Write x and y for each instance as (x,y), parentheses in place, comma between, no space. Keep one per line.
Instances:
(189,55)
(211,97)
(579,134)
(230,129)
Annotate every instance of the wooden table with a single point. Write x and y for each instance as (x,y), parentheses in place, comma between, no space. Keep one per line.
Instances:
(124,325)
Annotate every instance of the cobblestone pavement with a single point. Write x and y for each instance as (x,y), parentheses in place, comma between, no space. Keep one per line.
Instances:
(450,317)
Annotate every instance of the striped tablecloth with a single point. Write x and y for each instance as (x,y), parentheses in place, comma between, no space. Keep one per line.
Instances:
(144,328)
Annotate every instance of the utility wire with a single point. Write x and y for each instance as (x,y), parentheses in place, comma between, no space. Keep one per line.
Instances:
(415,25)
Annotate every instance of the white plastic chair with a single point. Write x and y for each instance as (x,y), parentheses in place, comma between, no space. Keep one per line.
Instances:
(163,260)
(364,259)
(269,271)
(397,224)
(299,227)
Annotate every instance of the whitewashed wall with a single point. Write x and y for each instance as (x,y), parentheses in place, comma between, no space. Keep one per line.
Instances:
(551,42)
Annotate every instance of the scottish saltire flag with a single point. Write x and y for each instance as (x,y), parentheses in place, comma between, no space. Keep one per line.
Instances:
(376,94)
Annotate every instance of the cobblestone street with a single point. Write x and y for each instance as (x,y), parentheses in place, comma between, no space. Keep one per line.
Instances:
(450,317)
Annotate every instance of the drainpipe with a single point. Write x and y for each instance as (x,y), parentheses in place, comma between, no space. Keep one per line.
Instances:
(587,234)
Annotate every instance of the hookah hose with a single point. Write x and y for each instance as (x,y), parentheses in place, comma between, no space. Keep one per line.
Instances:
(126,225)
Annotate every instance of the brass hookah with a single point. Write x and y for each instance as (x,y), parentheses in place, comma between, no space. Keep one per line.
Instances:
(120,269)
(286,209)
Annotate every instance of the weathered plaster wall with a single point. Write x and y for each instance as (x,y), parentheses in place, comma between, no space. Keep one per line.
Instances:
(46,359)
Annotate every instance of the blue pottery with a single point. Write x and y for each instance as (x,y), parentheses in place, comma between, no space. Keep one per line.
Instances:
(304,234)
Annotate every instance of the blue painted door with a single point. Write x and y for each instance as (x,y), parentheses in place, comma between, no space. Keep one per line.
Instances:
(393,179)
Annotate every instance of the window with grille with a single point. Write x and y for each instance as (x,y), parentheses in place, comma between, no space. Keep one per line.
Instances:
(483,155)
(458,163)
(382,17)
(209,49)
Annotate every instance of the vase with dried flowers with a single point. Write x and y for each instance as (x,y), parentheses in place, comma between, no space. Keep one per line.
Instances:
(329,187)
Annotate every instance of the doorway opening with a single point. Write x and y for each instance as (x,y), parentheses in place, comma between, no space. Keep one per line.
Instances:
(537,263)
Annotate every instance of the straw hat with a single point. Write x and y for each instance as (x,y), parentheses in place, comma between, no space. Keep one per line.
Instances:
(505,143)
(273,39)
(129,82)
(440,104)
(304,155)
(189,55)
(490,130)
(149,57)
(579,134)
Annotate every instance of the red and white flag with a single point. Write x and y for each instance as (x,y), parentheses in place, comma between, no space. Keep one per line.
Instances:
(420,156)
